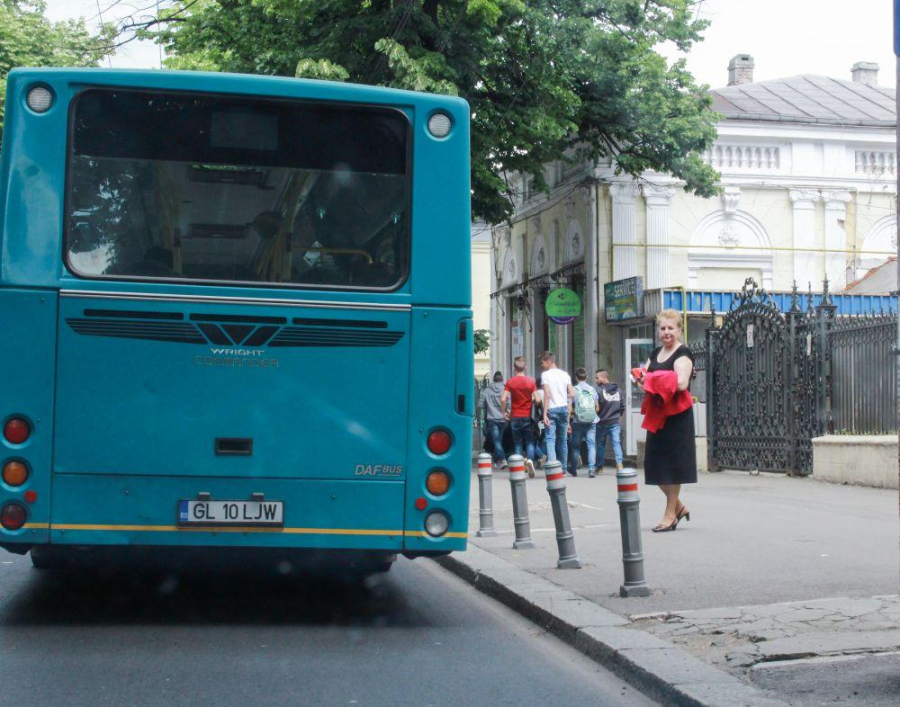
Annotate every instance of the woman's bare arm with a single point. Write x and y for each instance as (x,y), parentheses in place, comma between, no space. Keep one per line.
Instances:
(684,367)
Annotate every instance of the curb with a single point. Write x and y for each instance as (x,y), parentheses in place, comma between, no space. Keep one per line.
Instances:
(657,668)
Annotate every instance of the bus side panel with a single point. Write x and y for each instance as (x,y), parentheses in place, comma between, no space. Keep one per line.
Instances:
(441,356)
(33,178)
(27,362)
(441,213)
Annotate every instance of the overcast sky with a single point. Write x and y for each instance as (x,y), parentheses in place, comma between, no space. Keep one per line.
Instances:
(784,37)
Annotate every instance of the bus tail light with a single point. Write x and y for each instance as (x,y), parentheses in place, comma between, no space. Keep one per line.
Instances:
(16,431)
(439,442)
(12,516)
(438,483)
(15,473)
(436,524)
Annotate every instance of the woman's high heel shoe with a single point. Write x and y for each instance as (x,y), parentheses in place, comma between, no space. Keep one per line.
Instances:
(684,513)
(666,528)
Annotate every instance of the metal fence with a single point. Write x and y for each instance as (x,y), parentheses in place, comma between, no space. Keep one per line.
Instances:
(776,380)
(863,374)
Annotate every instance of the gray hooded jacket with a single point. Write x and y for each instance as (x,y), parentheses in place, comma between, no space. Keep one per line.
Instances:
(490,402)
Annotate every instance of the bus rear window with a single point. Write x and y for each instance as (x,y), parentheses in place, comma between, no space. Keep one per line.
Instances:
(190,187)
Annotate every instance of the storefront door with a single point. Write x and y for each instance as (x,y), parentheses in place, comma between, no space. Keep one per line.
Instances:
(637,351)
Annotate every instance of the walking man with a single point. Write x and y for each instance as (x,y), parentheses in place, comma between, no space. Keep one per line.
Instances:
(523,391)
(557,393)
(495,417)
(583,413)
(611,409)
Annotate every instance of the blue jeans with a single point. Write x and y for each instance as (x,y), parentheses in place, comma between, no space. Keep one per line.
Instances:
(557,449)
(582,431)
(615,434)
(495,430)
(522,436)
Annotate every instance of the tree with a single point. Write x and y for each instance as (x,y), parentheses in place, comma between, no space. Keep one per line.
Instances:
(482,341)
(27,38)
(541,76)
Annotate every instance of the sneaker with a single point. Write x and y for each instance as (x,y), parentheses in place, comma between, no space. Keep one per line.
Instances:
(591,474)
(529,467)
(543,459)
(573,473)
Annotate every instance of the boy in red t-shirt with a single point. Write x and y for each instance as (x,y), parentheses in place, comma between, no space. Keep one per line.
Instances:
(523,391)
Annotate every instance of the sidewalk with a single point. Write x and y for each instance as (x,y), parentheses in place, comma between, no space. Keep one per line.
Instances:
(770,572)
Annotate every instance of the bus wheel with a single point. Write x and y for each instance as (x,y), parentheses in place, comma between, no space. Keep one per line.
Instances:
(47,557)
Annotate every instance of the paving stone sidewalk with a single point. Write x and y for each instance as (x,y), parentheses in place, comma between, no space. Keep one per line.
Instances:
(770,570)
(739,637)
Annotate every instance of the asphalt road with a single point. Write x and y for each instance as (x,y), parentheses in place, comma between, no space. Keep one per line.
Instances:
(417,636)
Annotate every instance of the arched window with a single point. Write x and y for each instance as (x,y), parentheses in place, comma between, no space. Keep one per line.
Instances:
(726,248)
(574,243)
(540,257)
(880,241)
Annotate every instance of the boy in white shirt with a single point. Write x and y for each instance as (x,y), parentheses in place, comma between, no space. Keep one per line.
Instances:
(558,392)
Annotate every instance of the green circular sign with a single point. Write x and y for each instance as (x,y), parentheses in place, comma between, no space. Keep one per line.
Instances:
(563,305)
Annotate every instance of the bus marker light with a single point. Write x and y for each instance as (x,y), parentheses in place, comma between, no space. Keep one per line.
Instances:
(16,431)
(439,442)
(39,99)
(12,516)
(421,504)
(438,483)
(15,473)
(439,125)
(31,496)
(436,524)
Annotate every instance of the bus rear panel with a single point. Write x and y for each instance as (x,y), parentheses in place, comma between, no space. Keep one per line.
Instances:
(236,313)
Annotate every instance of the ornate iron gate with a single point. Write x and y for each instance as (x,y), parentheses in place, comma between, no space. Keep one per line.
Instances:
(775,381)
(748,374)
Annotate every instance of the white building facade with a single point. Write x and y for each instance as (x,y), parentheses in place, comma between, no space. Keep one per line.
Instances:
(808,177)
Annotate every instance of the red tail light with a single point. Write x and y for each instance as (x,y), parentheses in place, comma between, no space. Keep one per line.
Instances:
(16,431)
(12,516)
(439,442)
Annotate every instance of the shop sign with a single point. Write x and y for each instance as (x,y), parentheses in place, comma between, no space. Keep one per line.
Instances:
(563,305)
(623,299)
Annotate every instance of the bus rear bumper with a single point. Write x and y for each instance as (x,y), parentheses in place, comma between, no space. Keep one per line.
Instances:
(94,510)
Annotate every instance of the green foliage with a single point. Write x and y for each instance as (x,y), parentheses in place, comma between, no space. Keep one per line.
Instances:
(27,38)
(541,76)
(482,341)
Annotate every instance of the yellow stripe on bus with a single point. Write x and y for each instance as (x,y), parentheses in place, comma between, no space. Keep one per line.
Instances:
(36,526)
(238,529)
(423,534)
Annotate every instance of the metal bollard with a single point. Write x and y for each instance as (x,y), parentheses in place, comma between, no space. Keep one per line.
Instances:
(630,520)
(520,503)
(485,497)
(565,538)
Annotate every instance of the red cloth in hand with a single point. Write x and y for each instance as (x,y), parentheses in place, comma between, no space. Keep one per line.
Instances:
(662,399)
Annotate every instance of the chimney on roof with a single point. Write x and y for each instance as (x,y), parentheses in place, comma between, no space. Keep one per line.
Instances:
(740,70)
(865,72)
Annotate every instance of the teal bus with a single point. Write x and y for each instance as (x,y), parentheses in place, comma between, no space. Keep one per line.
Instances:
(236,312)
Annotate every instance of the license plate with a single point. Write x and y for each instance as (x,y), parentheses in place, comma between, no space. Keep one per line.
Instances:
(222,513)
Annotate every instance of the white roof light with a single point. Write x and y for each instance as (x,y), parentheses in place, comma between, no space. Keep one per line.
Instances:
(39,99)
(439,125)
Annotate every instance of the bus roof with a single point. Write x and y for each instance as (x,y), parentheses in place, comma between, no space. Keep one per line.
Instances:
(252,84)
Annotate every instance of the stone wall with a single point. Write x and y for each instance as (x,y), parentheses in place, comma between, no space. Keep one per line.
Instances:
(862,460)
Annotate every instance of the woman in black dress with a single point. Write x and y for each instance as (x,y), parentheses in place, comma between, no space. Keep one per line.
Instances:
(670,457)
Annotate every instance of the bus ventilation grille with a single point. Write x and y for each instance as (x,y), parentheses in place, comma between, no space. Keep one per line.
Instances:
(234,330)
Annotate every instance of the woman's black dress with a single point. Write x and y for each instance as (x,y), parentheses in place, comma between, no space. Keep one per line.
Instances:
(670,456)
